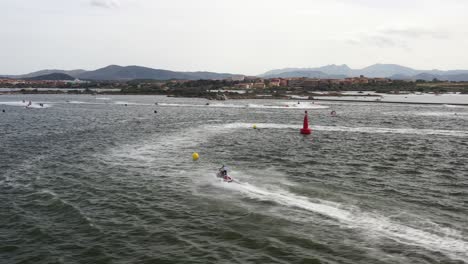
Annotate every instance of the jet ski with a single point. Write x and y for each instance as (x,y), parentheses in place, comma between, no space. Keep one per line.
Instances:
(226,178)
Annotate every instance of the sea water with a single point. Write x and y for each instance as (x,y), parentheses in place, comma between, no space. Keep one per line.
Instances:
(93,180)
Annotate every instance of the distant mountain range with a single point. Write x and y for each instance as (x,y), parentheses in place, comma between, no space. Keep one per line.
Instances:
(125,73)
(392,71)
(72,73)
(52,77)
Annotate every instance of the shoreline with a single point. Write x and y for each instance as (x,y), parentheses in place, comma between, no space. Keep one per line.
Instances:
(316,97)
(385,102)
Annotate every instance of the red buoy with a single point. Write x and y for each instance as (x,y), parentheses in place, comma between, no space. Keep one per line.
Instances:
(306,130)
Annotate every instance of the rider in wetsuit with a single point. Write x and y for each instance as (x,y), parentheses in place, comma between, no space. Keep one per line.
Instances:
(223,174)
(223,171)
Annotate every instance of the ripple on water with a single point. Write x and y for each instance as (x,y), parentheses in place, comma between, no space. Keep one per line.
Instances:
(96,182)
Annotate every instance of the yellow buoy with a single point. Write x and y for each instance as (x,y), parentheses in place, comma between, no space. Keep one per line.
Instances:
(254,126)
(195,156)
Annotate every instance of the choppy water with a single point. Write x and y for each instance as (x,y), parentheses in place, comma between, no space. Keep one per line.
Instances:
(107,180)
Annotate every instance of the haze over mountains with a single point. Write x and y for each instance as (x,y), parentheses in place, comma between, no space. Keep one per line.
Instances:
(392,71)
(125,73)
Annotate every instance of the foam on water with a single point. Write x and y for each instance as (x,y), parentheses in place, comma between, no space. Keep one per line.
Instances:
(26,104)
(456,133)
(370,224)
(286,105)
(444,114)
(288,199)
(445,240)
(81,102)
(204,105)
(252,106)
(141,187)
(304,105)
(181,105)
(144,151)
(455,106)
(129,103)
(448,114)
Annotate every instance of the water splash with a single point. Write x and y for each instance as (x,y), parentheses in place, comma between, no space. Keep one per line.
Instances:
(446,240)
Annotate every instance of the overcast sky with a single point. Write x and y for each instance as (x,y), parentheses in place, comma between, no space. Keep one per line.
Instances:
(236,36)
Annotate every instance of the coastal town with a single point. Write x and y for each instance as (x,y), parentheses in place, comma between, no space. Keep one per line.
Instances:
(241,82)
(303,82)
(24,83)
(237,86)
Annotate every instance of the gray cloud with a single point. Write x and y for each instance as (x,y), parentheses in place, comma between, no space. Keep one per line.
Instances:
(378,41)
(416,33)
(105,3)
(396,37)
(190,35)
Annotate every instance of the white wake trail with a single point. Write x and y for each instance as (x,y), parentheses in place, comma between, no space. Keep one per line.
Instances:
(370,130)
(145,153)
(26,104)
(448,241)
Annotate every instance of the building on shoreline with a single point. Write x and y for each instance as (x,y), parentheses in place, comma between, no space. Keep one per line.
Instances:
(41,82)
(310,83)
(259,85)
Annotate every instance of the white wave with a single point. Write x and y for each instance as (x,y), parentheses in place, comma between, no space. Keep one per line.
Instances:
(291,106)
(81,102)
(26,104)
(171,145)
(457,133)
(258,125)
(231,105)
(181,105)
(443,114)
(77,102)
(455,106)
(304,105)
(446,240)
(253,106)
(49,192)
(129,103)
(103,98)
(188,139)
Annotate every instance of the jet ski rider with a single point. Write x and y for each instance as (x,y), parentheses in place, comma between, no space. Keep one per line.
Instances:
(223,171)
